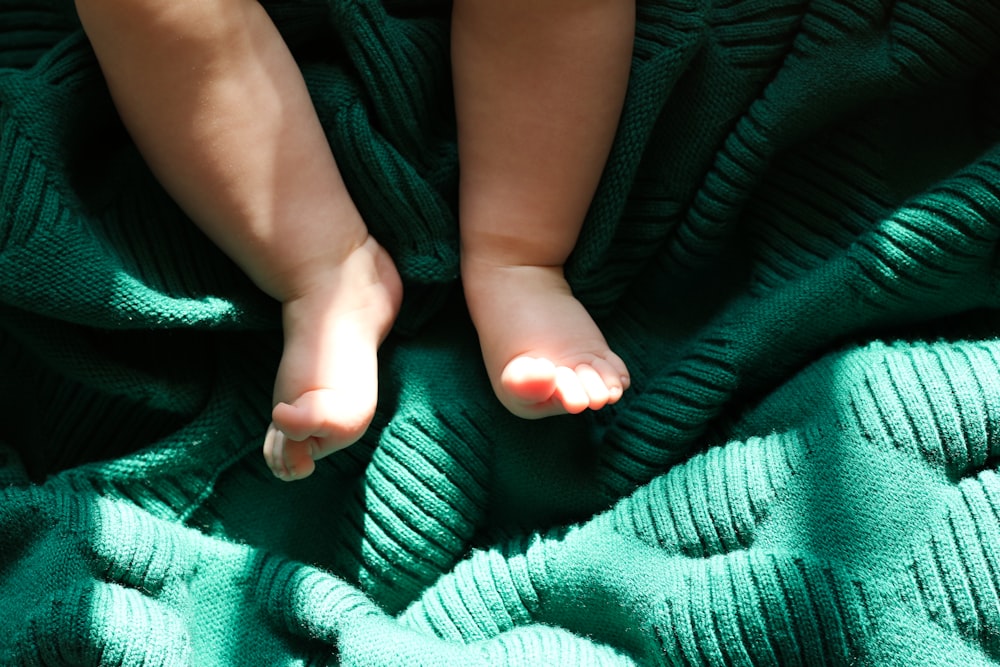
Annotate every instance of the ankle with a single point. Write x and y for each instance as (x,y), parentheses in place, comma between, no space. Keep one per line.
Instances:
(364,288)
(508,249)
(324,270)
(488,267)
(485,284)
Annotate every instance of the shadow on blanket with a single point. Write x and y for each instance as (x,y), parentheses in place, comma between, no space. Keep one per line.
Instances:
(794,249)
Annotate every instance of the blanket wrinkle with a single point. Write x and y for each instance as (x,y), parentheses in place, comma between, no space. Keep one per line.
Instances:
(794,248)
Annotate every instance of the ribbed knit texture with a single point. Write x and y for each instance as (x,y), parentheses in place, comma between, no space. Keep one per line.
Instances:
(794,247)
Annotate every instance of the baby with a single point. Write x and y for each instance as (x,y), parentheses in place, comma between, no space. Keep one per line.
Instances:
(219,109)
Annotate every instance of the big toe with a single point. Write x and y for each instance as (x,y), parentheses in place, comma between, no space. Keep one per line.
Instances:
(529,388)
(529,380)
(332,419)
(288,459)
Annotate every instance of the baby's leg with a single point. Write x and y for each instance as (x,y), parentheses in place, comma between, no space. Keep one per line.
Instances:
(539,88)
(218,107)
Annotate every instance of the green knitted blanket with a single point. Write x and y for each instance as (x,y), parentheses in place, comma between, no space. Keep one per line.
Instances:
(794,248)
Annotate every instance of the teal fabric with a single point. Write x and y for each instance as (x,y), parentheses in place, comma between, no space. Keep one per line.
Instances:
(794,248)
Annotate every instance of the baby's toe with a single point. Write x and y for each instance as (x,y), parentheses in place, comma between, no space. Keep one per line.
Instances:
(274,451)
(330,419)
(613,375)
(530,380)
(571,391)
(594,384)
(298,459)
(287,459)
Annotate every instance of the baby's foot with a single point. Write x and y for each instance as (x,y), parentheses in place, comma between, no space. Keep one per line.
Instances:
(543,352)
(326,389)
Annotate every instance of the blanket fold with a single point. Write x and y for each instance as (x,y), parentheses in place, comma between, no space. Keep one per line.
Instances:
(793,247)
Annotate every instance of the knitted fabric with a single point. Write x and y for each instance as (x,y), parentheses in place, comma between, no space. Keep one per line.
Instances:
(794,248)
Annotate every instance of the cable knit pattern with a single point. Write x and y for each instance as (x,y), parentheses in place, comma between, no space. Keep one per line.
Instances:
(794,247)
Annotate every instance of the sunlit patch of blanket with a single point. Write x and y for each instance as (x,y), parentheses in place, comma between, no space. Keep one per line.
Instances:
(794,248)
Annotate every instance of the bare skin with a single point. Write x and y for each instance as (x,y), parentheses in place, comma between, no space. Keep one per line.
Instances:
(218,107)
(539,88)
